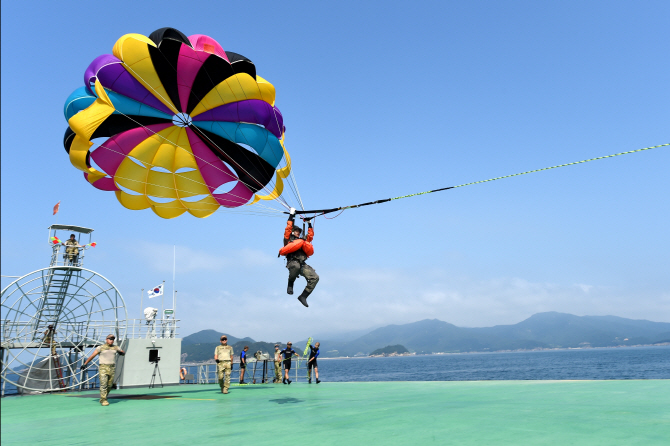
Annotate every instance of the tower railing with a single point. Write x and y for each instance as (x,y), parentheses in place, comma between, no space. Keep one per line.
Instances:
(61,257)
(153,329)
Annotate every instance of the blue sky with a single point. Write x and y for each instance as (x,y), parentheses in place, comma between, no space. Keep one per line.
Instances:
(380,99)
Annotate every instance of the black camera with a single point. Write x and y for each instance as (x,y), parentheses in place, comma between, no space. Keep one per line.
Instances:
(153,355)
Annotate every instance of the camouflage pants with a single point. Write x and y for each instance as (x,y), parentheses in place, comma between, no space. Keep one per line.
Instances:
(295,269)
(106,375)
(277,371)
(223,369)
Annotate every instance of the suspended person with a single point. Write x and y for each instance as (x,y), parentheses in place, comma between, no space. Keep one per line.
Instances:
(223,355)
(243,363)
(287,353)
(311,364)
(297,250)
(106,366)
(277,364)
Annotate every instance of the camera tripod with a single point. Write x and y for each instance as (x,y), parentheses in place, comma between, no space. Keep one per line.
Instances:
(153,377)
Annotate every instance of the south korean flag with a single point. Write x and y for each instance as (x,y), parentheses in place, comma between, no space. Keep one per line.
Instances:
(156,291)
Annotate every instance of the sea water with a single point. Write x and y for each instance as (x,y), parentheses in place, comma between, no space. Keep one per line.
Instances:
(592,363)
(589,364)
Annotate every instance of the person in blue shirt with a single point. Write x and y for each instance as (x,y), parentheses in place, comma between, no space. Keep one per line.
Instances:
(243,363)
(288,353)
(311,364)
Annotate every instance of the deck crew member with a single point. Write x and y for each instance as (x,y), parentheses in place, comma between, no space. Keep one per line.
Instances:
(297,250)
(106,367)
(243,363)
(311,364)
(277,364)
(223,355)
(287,353)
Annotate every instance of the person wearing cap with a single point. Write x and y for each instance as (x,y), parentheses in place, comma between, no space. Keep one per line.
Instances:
(243,363)
(311,364)
(287,353)
(277,364)
(295,259)
(223,355)
(72,250)
(106,366)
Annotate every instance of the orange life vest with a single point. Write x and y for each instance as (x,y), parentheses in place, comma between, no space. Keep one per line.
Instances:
(299,243)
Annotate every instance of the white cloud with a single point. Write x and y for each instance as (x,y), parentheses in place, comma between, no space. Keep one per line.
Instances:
(159,257)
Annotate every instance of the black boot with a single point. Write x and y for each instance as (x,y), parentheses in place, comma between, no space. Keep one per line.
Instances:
(318,380)
(303,298)
(289,290)
(283,381)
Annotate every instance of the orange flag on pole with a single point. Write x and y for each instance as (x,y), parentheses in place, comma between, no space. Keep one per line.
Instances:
(56,208)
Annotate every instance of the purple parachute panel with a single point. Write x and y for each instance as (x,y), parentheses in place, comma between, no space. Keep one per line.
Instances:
(253,111)
(115,77)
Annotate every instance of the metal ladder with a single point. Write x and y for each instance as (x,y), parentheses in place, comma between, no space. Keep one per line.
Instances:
(54,292)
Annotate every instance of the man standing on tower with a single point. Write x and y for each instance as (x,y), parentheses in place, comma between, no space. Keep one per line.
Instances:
(72,250)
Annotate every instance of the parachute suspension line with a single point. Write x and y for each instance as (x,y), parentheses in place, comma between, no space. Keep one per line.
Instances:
(165,100)
(292,187)
(328,211)
(244,170)
(295,183)
(268,211)
(190,153)
(242,201)
(241,168)
(280,199)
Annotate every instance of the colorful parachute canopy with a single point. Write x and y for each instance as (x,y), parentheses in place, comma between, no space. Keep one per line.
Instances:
(189,126)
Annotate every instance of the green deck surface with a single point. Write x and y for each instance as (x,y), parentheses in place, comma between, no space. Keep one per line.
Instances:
(378,413)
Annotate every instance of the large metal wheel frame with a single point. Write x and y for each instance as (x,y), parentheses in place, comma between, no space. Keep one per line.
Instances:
(44,344)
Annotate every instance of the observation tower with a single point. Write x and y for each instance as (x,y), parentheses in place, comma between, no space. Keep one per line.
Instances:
(52,319)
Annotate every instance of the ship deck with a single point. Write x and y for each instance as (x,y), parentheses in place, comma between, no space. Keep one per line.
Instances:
(363,413)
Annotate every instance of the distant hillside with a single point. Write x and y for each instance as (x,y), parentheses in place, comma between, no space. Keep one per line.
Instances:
(210,336)
(198,351)
(543,330)
(390,349)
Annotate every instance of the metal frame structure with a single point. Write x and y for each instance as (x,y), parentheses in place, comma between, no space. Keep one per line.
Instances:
(53,317)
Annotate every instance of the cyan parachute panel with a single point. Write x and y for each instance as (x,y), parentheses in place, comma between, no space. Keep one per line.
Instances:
(263,142)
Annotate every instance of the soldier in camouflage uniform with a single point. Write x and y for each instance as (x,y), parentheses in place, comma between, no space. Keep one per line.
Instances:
(106,366)
(223,355)
(278,360)
(72,250)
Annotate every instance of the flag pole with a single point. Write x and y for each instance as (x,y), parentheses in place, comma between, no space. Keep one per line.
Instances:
(174,268)
(141,302)
(163,302)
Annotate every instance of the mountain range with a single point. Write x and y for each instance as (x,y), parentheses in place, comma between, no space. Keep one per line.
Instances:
(540,331)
